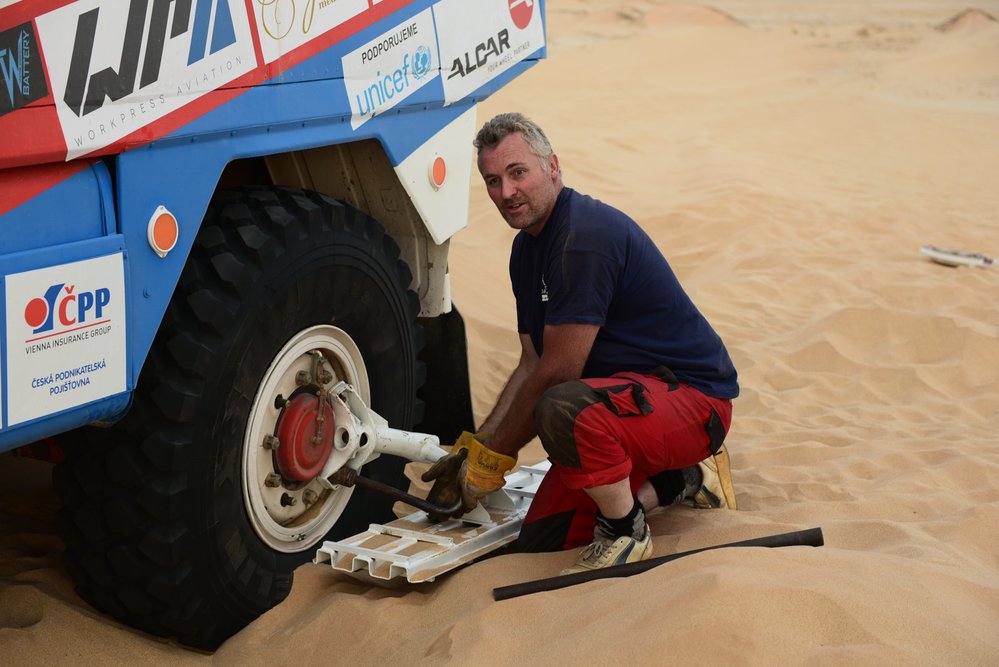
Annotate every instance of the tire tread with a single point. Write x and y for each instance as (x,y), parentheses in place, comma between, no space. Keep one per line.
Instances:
(128,492)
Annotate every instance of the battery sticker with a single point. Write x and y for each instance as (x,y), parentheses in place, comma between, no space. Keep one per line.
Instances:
(481,39)
(65,336)
(22,80)
(391,67)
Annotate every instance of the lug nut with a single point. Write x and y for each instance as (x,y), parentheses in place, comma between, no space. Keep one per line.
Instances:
(287,500)
(325,376)
(273,480)
(280,401)
(309,497)
(271,441)
(303,378)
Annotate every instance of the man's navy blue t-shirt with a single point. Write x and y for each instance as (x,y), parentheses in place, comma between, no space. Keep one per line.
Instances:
(592,264)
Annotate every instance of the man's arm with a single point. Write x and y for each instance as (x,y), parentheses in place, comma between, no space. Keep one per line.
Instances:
(567,346)
(525,367)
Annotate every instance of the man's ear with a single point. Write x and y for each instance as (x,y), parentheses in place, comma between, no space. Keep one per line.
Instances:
(553,167)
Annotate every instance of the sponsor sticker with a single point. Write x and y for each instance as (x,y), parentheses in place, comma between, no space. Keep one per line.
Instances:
(390,68)
(65,336)
(285,25)
(481,39)
(117,66)
(22,80)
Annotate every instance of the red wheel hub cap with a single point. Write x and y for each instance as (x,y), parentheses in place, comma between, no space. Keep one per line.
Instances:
(300,457)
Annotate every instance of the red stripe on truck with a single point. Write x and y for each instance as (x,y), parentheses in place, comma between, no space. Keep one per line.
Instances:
(19,185)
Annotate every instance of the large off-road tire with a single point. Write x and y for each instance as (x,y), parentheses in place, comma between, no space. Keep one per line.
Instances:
(181,520)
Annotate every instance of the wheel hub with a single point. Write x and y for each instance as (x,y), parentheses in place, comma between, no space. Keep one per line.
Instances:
(288,503)
(305,429)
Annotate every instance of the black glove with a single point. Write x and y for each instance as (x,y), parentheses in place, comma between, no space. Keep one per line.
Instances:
(447,475)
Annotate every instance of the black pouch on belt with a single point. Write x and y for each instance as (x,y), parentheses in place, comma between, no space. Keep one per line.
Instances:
(716,432)
(667,376)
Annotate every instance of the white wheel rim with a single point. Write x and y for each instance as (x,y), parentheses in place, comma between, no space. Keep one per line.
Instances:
(284,526)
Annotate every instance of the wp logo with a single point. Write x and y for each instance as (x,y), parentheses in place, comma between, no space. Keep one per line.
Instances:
(210,30)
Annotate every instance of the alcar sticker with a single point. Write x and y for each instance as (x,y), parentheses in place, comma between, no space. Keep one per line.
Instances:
(65,336)
(390,68)
(116,66)
(481,39)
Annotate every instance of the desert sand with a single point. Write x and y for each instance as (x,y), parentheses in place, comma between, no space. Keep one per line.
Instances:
(789,158)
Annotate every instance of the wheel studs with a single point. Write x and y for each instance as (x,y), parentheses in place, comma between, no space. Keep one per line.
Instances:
(309,497)
(303,378)
(273,480)
(271,441)
(287,500)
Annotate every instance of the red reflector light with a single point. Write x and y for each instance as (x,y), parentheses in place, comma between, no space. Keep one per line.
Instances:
(163,231)
(438,172)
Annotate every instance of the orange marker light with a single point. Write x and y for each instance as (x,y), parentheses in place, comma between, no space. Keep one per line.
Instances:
(163,231)
(438,172)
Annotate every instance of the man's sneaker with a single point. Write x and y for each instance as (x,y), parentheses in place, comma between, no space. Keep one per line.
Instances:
(716,485)
(604,552)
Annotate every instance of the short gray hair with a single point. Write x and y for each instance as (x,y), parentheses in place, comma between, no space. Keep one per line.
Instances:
(505,124)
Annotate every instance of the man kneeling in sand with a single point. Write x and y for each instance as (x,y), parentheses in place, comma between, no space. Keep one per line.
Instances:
(620,376)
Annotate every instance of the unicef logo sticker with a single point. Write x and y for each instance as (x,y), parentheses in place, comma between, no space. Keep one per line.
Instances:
(421,62)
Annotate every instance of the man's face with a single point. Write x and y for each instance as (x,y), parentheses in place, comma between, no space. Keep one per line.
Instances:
(517,182)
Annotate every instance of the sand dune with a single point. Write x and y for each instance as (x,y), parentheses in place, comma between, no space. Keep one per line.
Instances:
(789,159)
(968,20)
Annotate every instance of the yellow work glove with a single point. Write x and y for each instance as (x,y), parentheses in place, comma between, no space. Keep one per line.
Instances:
(472,469)
(485,469)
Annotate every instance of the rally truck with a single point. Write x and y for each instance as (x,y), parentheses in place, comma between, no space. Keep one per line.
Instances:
(224,231)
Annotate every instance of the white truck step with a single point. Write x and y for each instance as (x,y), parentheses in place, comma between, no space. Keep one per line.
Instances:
(419,550)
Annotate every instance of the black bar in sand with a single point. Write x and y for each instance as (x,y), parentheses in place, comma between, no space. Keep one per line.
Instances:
(811,537)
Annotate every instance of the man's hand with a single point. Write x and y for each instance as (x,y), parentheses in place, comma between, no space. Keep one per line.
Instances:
(485,470)
(446,474)
(477,470)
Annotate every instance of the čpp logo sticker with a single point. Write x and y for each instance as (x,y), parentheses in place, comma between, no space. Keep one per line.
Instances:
(66,336)
(60,308)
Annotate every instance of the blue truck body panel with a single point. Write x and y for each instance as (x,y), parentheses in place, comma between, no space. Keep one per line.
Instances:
(273,109)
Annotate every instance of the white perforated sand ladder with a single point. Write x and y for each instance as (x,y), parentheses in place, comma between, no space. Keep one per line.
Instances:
(419,550)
